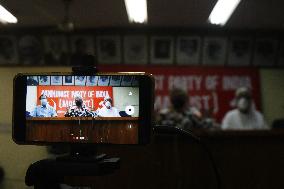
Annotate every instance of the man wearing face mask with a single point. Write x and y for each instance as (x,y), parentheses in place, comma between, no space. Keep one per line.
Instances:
(245,116)
(79,109)
(108,110)
(44,109)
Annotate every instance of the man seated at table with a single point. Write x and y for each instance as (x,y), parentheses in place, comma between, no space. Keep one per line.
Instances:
(108,110)
(79,109)
(245,116)
(44,109)
(180,114)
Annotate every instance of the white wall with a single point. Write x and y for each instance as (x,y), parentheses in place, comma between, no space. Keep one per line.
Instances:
(272,90)
(122,98)
(14,158)
(31,98)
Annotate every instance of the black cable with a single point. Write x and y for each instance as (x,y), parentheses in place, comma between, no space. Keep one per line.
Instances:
(189,133)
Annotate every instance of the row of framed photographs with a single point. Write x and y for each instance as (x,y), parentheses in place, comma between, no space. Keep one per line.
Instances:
(140,49)
(119,81)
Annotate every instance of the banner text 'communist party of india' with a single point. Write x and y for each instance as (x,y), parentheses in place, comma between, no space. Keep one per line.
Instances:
(211,90)
(62,97)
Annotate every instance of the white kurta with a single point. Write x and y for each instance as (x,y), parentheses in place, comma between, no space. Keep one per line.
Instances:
(234,119)
(105,112)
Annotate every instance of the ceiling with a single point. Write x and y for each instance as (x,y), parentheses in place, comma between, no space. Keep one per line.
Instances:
(250,14)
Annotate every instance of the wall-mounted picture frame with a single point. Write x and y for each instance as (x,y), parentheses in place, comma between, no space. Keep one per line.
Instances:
(30,50)
(109,49)
(103,80)
(188,50)
(68,80)
(80,80)
(82,50)
(92,80)
(162,50)
(115,80)
(239,51)
(32,80)
(8,50)
(56,80)
(55,50)
(135,49)
(135,81)
(44,80)
(265,50)
(126,80)
(214,51)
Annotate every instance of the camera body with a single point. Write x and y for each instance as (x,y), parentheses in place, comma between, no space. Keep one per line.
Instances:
(78,108)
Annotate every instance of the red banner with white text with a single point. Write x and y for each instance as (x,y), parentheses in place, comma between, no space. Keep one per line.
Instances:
(62,97)
(211,90)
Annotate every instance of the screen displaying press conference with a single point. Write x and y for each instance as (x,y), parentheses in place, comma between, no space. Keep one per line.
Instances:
(97,109)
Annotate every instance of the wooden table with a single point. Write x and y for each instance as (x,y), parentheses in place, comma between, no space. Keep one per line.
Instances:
(120,130)
(245,160)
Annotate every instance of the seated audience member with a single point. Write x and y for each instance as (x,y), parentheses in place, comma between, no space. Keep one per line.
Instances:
(180,114)
(108,110)
(245,116)
(44,110)
(79,109)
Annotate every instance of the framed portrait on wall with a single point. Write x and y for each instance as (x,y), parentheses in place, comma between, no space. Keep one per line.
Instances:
(68,80)
(32,80)
(280,57)
(135,81)
(188,50)
(56,50)
(135,49)
(30,50)
(8,50)
(92,80)
(162,50)
(115,80)
(82,50)
(103,80)
(240,50)
(56,80)
(109,49)
(44,80)
(265,50)
(126,80)
(214,51)
(80,80)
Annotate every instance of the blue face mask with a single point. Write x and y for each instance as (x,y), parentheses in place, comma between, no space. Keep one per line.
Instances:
(43,102)
(108,104)
(243,104)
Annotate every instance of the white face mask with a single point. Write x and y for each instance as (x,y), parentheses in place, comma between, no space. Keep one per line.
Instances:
(43,102)
(108,104)
(243,104)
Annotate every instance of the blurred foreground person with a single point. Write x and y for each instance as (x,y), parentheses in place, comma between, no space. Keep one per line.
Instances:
(179,114)
(245,116)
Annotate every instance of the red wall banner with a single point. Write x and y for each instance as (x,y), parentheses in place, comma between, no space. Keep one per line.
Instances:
(211,90)
(62,97)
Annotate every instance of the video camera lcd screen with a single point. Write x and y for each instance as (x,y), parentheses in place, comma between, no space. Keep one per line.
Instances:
(85,109)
